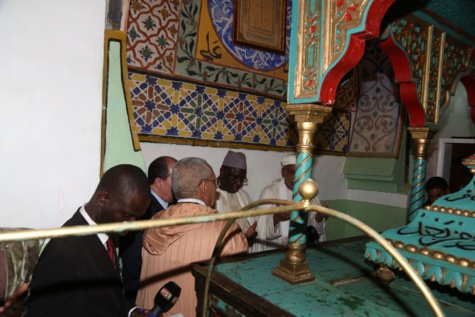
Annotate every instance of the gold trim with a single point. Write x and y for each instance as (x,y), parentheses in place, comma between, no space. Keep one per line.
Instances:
(323,32)
(308,117)
(293,269)
(448,210)
(437,255)
(196,142)
(422,137)
(469,161)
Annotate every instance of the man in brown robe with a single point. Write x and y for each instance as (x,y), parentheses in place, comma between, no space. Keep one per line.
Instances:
(167,252)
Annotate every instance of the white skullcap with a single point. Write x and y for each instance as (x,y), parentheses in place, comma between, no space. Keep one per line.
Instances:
(289,160)
(236,160)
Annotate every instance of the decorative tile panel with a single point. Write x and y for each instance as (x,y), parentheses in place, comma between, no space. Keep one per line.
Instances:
(177,109)
(174,43)
(153,35)
(333,135)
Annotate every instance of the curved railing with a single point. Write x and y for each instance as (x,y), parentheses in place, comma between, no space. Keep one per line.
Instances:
(291,206)
(247,211)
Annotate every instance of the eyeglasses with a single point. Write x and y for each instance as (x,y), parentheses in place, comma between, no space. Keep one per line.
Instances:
(211,180)
(234,177)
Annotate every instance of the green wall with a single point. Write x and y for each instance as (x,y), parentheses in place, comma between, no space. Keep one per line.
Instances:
(379,217)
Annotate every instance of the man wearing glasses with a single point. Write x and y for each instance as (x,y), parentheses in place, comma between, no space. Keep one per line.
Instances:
(231,195)
(168,251)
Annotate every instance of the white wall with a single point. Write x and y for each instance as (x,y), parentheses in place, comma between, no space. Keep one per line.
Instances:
(455,121)
(327,171)
(263,166)
(50,102)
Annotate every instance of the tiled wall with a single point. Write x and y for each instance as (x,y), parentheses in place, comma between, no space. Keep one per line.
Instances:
(189,82)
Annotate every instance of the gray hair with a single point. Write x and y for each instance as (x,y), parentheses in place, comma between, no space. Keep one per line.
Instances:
(187,176)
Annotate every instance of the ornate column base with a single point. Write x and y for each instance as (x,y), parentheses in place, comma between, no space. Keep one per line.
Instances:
(294,269)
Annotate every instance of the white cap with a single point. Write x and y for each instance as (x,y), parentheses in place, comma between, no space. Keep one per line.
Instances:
(289,160)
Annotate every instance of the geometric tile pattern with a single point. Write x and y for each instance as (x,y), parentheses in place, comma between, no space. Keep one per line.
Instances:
(178,109)
(346,97)
(172,96)
(334,133)
(153,35)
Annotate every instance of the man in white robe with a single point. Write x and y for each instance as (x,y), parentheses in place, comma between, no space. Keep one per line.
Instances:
(231,195)
(282,189)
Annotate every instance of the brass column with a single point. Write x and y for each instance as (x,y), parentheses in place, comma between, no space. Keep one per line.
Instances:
(421,137)
(294,269)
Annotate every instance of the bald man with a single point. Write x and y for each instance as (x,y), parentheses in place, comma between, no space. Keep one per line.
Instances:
(168,251)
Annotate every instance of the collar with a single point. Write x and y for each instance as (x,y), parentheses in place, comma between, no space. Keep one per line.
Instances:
(191,200)
(102,236)
(159,199)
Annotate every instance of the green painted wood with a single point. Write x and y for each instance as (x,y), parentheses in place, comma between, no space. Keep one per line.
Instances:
(379,217)
(343,286)
(438,231)
(377,174)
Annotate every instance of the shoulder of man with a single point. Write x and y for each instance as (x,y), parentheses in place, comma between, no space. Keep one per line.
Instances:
(267,191)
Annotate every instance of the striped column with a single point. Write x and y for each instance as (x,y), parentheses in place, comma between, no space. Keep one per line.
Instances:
(294,269)
(417,188)
(298,221)
(421,137)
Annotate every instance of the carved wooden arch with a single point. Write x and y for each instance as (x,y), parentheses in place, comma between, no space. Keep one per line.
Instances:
(355,50)
(328,40)
(428,63)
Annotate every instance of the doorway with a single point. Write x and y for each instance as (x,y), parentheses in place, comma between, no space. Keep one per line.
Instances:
(449,165)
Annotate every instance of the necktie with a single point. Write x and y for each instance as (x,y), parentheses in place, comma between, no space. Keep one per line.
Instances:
(110,250)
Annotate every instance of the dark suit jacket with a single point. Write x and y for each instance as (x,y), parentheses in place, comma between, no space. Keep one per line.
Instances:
(75,277)
(131,253)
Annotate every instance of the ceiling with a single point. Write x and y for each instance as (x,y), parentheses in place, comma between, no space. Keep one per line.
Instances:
(460,13)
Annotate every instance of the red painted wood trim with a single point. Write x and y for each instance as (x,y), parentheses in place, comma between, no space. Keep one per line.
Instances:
(355,50)
(403,76)
(469,83)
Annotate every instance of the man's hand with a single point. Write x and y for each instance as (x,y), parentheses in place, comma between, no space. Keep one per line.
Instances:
(251,233)
(318,217)
(281,217)
(15,305)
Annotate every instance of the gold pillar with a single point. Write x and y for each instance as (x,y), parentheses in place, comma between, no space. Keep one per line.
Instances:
(422,137)
(294,269)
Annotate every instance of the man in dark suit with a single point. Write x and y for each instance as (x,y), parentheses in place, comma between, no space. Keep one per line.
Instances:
(79,275)
(159,178)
